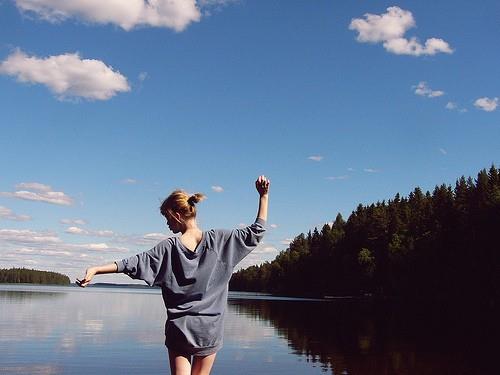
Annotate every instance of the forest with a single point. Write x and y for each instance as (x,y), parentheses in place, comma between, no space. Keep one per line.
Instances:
(439,245)
(24,275)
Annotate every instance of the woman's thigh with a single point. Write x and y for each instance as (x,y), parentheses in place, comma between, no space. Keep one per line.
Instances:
(180,364)
(203,364)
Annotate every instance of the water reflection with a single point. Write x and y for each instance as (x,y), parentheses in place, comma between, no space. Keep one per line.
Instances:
(360,337)
(69,330)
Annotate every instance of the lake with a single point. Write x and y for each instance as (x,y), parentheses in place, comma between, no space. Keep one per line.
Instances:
(70,330)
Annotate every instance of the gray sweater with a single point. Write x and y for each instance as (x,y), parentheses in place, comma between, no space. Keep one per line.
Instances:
(195,283)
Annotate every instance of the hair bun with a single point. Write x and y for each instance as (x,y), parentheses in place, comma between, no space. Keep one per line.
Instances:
(195,198)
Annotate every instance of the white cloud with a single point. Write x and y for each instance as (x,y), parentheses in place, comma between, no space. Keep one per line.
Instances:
(486,104)
(261,254)
(93,233)
(25,236)
(443,151)
(32,251)
(155,236)
(73,221)
(76,230)
(67,75)
(265,250)
(423,90)
(389,28)
(452,106)
(204,3)
(315,157)
(274,226)
(7,213)
(173,14)
(103,233)
(42,193)
(33,186)
(99,247)
(218,189)
(286,241)
(371,170)
(143,76)
(129,181)
(343,177)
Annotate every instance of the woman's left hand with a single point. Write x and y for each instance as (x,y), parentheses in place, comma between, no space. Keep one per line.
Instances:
(262,185)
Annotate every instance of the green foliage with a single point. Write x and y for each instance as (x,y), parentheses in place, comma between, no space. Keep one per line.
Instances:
(435,245)
(23,275)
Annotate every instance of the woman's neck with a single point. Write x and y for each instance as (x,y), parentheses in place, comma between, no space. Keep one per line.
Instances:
(191,227)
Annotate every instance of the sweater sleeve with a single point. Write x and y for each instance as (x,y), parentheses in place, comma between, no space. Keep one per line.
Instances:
(236,244)
(147,265)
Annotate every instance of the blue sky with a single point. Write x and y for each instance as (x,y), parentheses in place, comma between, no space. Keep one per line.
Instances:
(105,111)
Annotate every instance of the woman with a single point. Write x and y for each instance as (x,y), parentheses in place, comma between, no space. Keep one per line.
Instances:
(193,271)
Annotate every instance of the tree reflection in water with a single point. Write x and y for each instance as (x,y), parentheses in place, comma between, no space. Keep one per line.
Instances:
(366,337)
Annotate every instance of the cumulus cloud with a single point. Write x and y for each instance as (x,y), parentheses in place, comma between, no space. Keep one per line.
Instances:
(155,236)
(389,29)
(85,232)
(76,230)
(67,75)
(143,76)
(315,157)
(172,14)
(263,252)
(73,221)
(33,186)
(8,214)
(452,106)
(286,241)
(48,251)
(423,90)
(25,236)
(343,177)
(486,104)
(40,192)
(217,189)
(99,247)
(129,181)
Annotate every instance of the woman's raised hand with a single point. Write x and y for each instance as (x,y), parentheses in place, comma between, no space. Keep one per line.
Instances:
(262,185)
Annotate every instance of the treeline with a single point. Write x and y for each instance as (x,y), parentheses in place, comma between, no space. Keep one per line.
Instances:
(24,275)
(442,245)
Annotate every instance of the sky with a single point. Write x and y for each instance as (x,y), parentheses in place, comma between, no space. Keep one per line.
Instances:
(108,106)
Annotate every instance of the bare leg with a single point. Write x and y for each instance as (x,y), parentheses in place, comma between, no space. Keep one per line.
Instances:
(203,364)
(180,364)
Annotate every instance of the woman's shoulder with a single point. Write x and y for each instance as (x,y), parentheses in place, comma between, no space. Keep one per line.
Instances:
(166,243)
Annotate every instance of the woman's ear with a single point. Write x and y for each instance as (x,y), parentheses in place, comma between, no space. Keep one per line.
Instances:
(177,217)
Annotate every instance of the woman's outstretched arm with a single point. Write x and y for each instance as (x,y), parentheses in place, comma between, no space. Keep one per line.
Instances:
(262,186)
(92,271)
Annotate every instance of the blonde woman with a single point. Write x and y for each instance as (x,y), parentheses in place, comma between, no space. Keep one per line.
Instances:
(193,271)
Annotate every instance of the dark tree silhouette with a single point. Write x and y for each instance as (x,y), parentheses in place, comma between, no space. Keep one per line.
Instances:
(23,275)
(441,245)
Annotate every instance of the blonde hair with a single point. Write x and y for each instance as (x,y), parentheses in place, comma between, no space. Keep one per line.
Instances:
(181,202)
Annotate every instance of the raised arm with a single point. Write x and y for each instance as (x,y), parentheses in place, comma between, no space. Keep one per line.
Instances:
(262,186)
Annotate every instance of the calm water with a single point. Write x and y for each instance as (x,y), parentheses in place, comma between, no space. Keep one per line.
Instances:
(69,330)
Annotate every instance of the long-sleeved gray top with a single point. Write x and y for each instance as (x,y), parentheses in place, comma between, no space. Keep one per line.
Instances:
(195,283)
